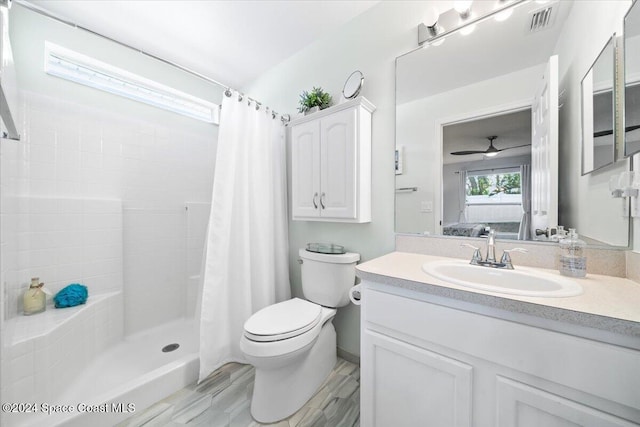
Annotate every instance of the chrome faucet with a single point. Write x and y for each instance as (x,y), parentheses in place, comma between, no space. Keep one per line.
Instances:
(490,259)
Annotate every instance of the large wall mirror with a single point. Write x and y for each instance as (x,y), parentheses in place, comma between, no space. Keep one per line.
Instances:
(598,112)
(632,80)
(488,127)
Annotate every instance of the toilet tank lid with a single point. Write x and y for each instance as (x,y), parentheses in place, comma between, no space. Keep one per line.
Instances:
(346,258)
(326,248)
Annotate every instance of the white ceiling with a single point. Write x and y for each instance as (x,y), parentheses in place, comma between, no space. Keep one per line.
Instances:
(232,42)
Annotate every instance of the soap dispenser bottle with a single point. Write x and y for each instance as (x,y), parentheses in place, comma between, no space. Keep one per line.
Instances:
(34,299)
(573,261)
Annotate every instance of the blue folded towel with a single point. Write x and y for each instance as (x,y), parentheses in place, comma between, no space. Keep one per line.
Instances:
(70,296)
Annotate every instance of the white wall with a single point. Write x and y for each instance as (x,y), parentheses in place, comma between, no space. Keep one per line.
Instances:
(369,43)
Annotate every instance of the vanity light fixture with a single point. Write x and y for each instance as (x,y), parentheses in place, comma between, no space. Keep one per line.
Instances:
(463,7)
(431,28)
(464,16)
(84,70)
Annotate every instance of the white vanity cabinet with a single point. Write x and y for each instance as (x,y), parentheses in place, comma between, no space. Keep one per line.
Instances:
(425,361)
(331,164)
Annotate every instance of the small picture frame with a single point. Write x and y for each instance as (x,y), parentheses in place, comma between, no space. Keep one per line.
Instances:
(399,159)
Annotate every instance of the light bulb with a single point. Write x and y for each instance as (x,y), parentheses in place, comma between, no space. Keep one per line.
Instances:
(431,16)
(462,6)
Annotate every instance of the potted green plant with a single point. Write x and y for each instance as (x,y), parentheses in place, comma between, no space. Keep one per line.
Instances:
(315,100)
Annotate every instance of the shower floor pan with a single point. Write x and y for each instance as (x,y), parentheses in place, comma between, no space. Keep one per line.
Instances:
(131,376)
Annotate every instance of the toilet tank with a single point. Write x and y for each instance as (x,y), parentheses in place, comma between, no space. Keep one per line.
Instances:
(327,278)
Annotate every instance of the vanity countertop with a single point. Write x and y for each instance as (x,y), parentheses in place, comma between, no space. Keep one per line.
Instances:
(608,303)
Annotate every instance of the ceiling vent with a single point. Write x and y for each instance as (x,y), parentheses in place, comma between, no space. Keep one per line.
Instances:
(541,19)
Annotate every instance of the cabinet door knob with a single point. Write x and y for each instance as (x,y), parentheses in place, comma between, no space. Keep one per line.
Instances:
(322,200)
(315,205)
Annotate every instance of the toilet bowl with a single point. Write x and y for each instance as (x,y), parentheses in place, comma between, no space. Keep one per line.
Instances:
(292,344)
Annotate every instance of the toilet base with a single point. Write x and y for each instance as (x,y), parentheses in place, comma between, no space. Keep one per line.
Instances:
(280,392)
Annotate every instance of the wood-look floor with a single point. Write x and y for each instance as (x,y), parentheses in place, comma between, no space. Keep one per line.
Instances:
(224,399)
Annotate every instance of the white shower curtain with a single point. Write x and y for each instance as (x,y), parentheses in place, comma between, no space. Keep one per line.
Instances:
(246,261)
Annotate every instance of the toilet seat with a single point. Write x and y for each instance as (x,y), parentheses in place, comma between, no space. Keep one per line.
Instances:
(283,320)
(253,349)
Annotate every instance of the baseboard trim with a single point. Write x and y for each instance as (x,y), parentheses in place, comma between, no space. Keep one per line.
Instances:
(349,357)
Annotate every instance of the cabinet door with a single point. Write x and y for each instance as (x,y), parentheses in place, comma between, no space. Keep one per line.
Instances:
(404,385)
(338,166)
(520,405)
(305,161)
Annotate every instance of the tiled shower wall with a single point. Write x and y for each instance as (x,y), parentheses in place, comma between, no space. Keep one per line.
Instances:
(74,152)
(62,241)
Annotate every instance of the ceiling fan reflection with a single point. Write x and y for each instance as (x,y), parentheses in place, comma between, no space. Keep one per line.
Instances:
(489,152)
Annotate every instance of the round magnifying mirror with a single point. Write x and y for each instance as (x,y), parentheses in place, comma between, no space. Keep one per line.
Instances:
(353,85)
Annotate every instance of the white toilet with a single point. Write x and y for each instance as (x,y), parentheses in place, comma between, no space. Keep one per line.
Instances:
(292,344)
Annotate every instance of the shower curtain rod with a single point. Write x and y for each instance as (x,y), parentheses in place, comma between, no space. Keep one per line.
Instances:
(285,118)
(32,7)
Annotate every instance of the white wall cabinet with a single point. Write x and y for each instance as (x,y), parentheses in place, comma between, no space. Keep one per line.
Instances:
(331,164)
(428,364)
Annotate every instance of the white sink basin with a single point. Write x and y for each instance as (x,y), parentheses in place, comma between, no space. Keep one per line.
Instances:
(521,281)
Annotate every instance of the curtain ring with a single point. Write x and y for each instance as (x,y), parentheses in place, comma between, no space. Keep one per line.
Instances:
(258,105)
(273,114)
(239,97)
(228,93)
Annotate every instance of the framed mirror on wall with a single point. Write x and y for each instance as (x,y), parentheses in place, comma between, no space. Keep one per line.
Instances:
(449,99)
(632,80)
(598,111)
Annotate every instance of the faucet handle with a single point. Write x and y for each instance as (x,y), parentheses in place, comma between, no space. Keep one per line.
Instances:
(477,256)
(506,258)
(524,251)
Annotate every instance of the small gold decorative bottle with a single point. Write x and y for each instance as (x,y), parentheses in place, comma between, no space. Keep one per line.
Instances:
(34,299)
